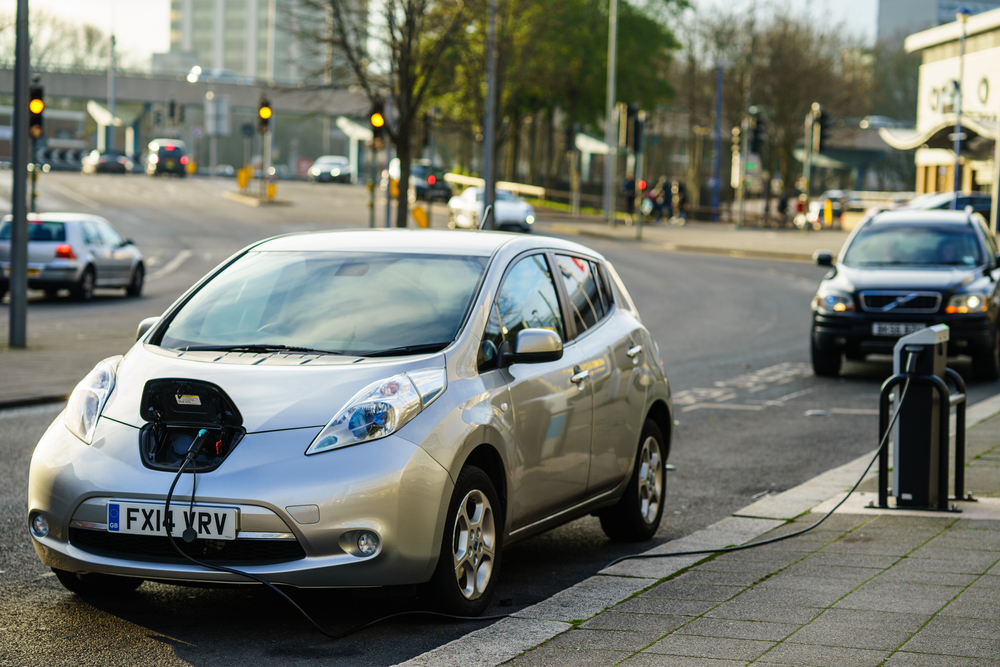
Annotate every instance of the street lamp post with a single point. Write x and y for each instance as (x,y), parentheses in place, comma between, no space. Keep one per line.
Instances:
(963,18)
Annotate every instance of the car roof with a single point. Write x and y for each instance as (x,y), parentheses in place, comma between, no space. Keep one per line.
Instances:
(429,241)
(921,216)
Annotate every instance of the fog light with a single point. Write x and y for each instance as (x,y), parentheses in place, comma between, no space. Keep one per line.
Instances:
(40,527)
(367,543)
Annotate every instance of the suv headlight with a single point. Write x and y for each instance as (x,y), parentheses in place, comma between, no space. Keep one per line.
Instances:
(833,302)
(88,399)
(968,303)
(380,409)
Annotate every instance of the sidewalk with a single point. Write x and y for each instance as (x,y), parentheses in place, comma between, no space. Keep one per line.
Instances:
(867,587)
(705,237)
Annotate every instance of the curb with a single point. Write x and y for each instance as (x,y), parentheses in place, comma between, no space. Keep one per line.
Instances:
(534,625)
(27,401)
(559,228)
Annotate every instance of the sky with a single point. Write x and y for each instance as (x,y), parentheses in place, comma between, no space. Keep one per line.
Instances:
(142,27)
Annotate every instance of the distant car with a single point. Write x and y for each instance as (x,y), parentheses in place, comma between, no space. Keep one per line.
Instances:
(106,163)
(428,183)
(511,213)
(166,156)
(981,202)
(902,271)
(74,251)
(330,169)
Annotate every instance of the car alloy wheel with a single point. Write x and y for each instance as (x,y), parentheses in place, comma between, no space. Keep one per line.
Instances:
(650,480)
(637,515)
(474,541)
(84,290)
(138,277)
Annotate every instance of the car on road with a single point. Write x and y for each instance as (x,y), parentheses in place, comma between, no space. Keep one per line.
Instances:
(510,212)
(901,271)
(97,162)
(74,251)
(428,183)
(330,169)
(360,408)
(166,156)
(981,202)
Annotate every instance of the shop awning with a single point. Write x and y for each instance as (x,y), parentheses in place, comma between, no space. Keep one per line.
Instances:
(980,135)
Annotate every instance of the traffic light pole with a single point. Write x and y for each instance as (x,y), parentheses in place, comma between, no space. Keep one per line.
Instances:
(18,281)
(34,175)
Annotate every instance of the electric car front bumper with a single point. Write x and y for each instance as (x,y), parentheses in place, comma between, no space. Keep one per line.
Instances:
(390,487)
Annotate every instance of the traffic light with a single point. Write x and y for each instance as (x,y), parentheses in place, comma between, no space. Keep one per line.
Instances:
(637,132)
(157,117)
(377,119)
(36,105)
(172,114)
(264,114)
(824,124)
(758,133)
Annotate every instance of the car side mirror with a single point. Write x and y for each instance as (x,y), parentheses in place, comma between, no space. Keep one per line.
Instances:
(128,242)
(145,326)
(532,346)
(823,258)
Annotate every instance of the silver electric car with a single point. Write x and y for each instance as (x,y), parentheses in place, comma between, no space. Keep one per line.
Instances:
(360,408)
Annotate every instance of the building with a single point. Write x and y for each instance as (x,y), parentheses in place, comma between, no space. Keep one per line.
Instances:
(247,39)
(933,137)
(902,17)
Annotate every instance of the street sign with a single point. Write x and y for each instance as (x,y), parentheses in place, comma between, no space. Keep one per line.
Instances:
(197,131)
(246,130)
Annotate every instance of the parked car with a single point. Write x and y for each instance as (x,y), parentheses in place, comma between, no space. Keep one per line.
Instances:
(511,213)
(426,182)
(383,407)
(97,162)
(330,169)
(981,202)
(166,156)
(74,251)
(901,271)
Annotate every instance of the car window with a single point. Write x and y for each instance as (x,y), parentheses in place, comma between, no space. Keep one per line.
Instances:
(354,303)
(109,234)
(878,245)
(38,230)
(90,234)
(583,288)
(607,297)
(527,300)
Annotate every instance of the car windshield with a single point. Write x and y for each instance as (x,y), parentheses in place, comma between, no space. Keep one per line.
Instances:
(917,245)
(38,230)
(357,303)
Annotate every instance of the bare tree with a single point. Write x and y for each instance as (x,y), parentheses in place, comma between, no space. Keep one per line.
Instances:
(57,43)
(390,53)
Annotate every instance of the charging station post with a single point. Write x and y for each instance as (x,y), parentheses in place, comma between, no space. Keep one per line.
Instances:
(921,439)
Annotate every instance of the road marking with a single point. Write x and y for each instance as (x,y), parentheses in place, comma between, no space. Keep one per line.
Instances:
(75,196)
(723,406)
(171,266)
(788,397)
(853,411)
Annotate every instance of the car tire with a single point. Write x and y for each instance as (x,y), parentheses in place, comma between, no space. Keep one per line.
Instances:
(987,366)
(91,584)
(636,517)
(825,364)
(138,278)
(84,289)
(471,549)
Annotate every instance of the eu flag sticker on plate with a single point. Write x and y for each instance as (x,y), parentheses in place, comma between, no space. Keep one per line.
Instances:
(113,516)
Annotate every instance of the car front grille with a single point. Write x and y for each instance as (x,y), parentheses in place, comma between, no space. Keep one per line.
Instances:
(158,549)
(909,301)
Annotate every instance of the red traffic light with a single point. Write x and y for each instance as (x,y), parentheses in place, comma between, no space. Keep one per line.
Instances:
(432,179)
(642,185)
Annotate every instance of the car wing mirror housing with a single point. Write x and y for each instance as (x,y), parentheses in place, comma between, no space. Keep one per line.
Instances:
(145,326)
(532,346)
(823,258)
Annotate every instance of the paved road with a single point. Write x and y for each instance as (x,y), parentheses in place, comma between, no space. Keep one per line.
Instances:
(733,333)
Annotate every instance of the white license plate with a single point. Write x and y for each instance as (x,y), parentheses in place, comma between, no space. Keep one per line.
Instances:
(209,523)
(895,328)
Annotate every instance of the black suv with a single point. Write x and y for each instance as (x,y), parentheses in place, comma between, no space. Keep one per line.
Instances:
(901,271)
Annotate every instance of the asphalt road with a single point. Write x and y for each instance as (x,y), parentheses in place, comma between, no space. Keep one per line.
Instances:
(733,334)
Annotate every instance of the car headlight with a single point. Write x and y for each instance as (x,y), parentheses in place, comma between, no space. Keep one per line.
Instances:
(833,302)
(314,171)
(968,303)
(88,399)
(530,219)
(380,409)
(335,171)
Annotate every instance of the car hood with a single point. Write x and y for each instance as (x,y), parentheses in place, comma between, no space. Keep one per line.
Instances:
(272,392)
(942,279)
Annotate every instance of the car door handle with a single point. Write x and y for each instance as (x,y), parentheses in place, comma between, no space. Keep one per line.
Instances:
(633,351)
(578,377)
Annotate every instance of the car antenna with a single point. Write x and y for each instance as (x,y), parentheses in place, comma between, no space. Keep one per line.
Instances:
(486,216)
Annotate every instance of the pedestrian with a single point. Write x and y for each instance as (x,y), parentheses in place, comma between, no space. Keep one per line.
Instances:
(783,209)
(628,189)
(658,195)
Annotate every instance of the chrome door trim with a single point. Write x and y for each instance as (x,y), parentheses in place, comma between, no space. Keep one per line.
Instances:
(561,513)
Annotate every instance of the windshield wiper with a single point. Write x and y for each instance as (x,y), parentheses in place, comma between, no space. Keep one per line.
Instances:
(257,348)
(406,349)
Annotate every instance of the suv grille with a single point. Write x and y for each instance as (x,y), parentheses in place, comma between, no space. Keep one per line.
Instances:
(909,302)
(151,547)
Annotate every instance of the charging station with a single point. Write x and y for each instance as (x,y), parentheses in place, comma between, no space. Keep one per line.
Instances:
(921,433)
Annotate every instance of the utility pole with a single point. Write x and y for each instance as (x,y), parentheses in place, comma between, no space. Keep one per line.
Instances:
(963,18)
(19,224)
(489,196)
(810,128)
(610,199)
(741,192)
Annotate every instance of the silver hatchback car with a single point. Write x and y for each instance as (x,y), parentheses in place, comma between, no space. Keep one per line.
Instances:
(360,408)
(74,251)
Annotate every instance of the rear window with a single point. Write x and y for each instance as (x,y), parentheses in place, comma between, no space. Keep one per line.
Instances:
(40,230)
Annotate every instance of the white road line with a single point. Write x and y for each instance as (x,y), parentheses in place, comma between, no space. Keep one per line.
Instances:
(75,196)
(852,411)
(722,406)
(788,397)
(171,266)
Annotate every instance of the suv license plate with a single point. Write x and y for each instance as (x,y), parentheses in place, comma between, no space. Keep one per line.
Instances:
(895,328)
(210,523)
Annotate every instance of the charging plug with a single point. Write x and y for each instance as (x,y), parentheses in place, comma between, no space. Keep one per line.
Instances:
(198,443)
(911,359)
